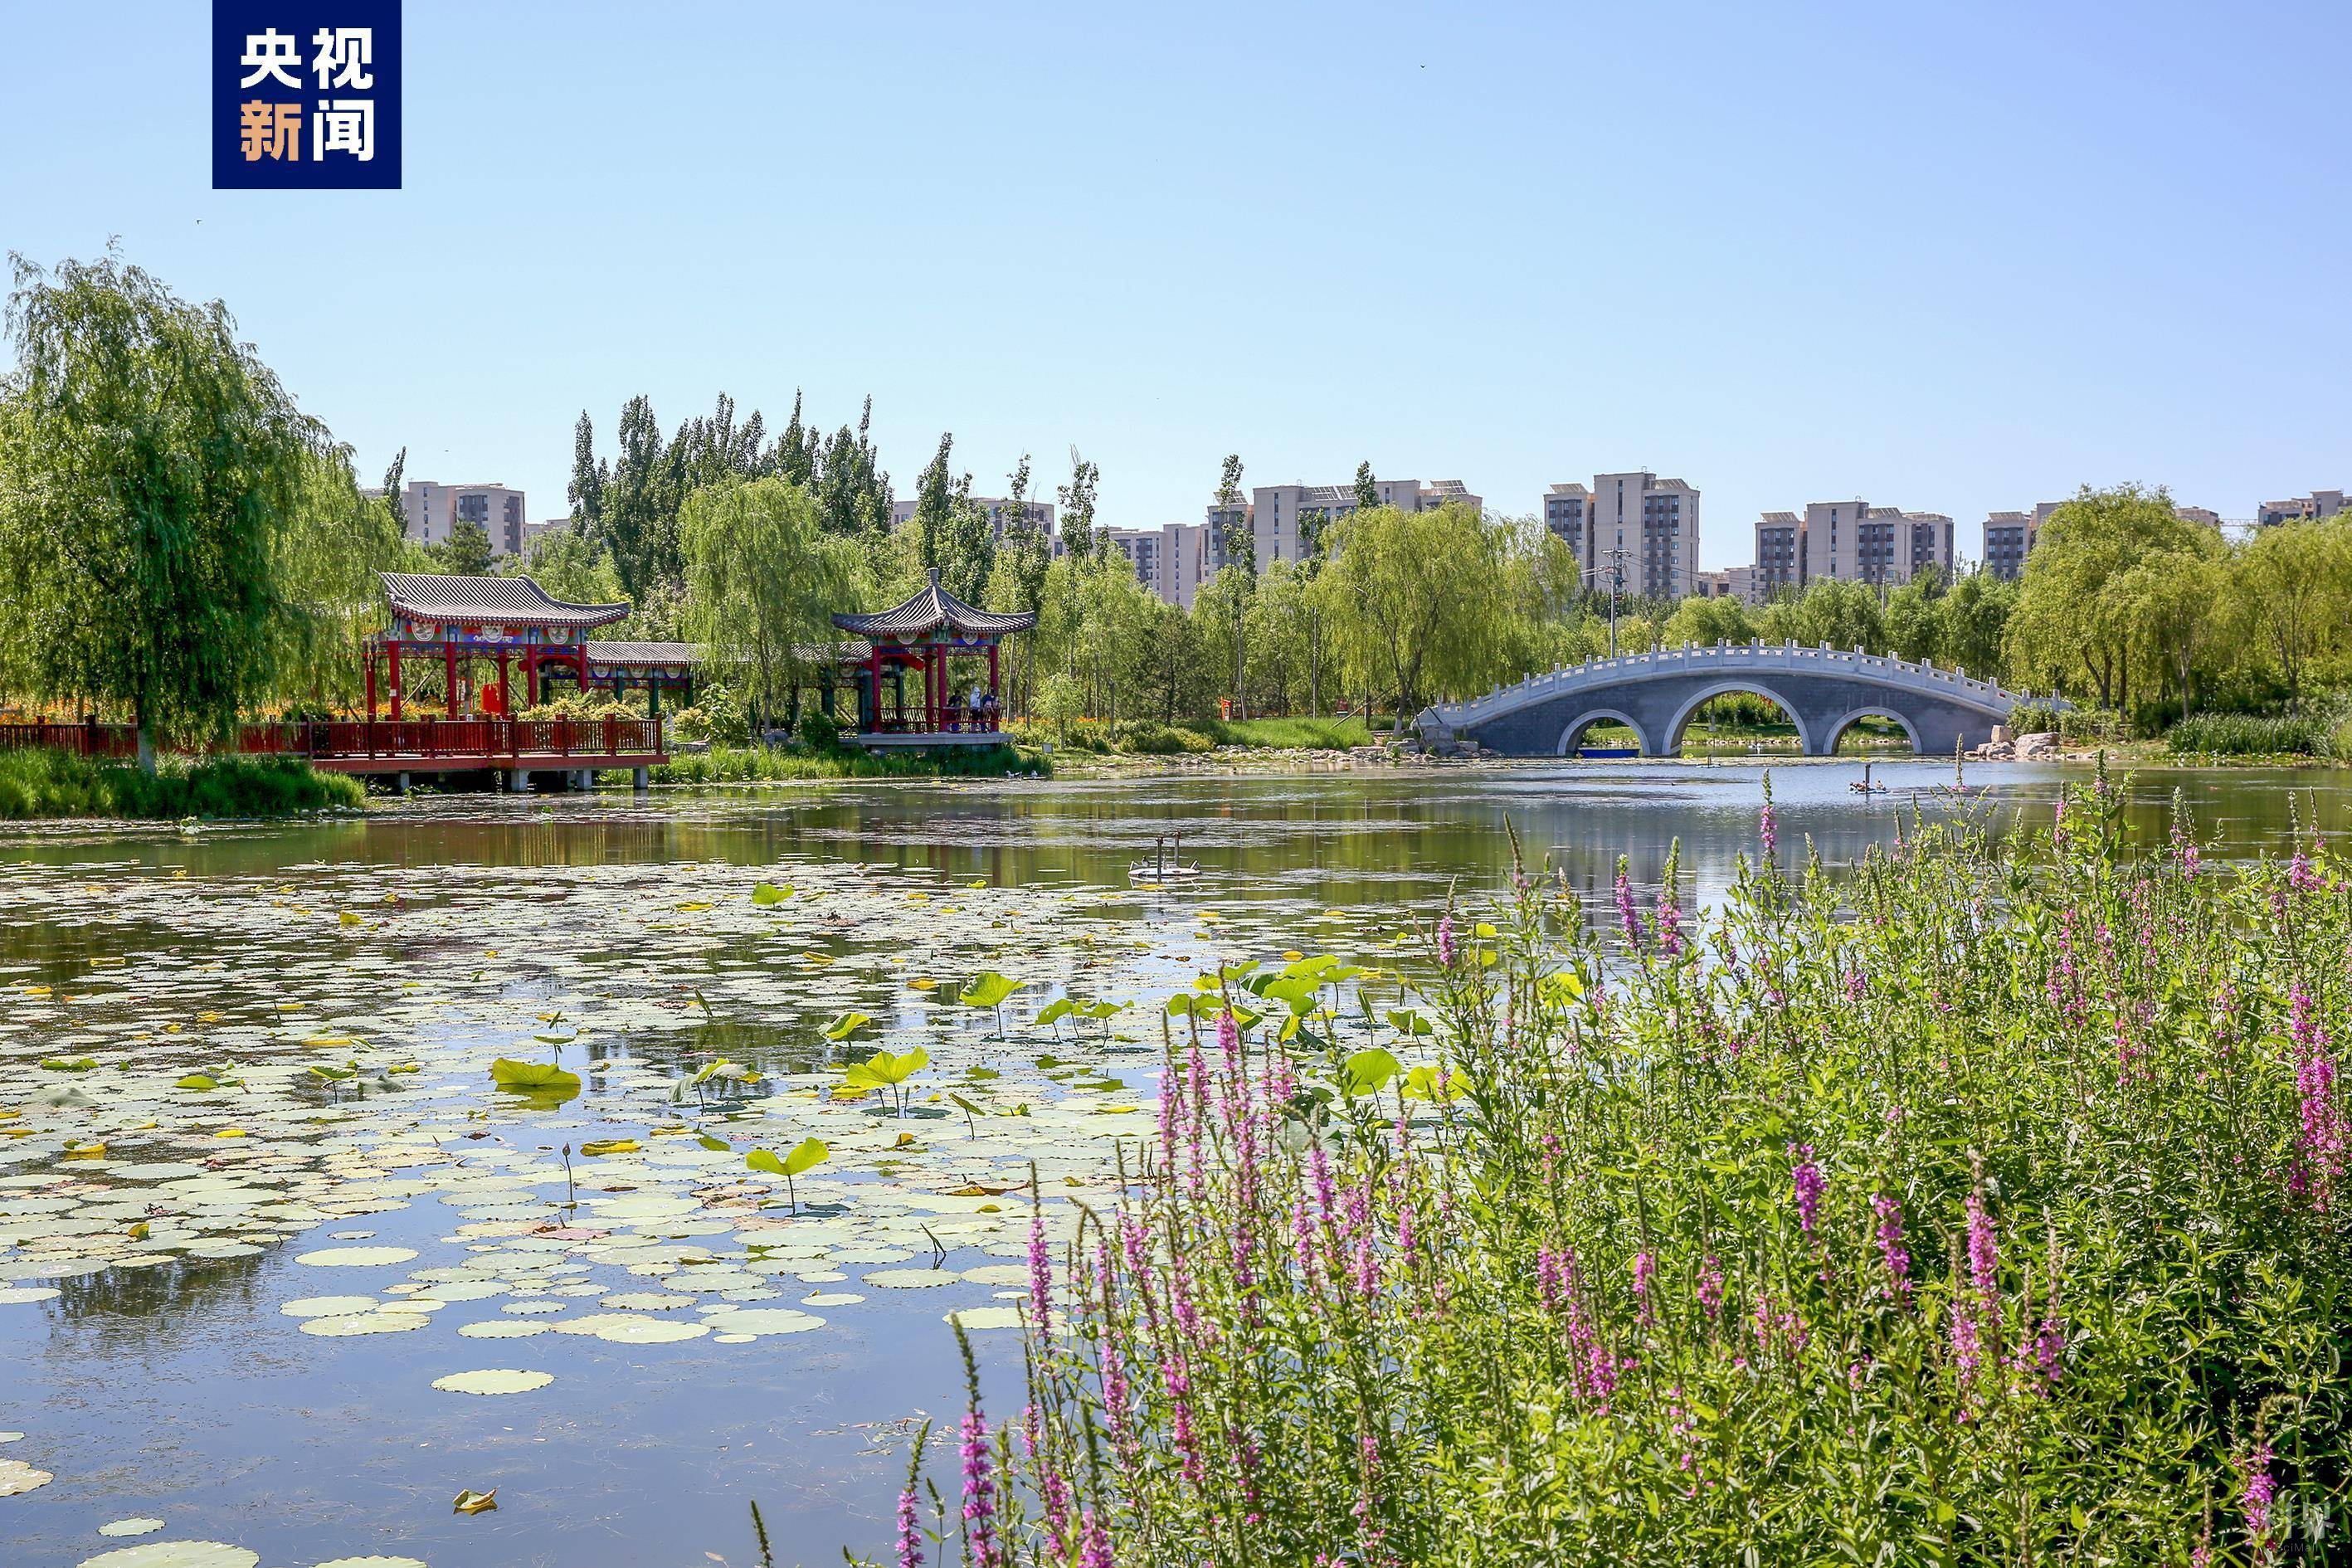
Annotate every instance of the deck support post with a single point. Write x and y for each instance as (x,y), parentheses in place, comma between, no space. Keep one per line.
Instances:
(641,779)
(518,782)
(400,783)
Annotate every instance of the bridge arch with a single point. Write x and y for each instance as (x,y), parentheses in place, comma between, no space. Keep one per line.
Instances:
(1671,740)
(1592,716)
(1836,732)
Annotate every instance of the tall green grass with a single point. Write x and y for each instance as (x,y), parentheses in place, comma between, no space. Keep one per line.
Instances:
(39,783)
(2246,735)
(1286,734)
(752,764)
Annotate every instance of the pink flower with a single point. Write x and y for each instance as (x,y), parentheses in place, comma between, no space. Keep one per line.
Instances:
(911,1535)
(1041,1274)
(1890,1246)
(1984,1258)
(1445,942)
(1805,1180)
(2260,1491)
(980,1494)
(1710,1287)
(1094,1542)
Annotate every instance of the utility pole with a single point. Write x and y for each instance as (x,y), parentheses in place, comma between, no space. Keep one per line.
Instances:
(1616,591)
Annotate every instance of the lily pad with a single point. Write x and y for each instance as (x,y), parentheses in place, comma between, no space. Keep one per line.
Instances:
(356,1256)
(987,1317)
(912,1278)
(493,1380)
(13,1294)
(132,1527)
(15,1476)
(174,1555)
(328,1306)
(765,1320)
(500,1329)
(348,1325)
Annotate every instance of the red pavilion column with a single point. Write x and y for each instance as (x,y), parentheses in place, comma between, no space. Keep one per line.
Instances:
(531,673)
(993,690)
(449,675)
(506,693)
(370,685)
(392,661)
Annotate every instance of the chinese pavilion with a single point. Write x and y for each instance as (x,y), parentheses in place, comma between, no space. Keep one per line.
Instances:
(510,620)
(926,633)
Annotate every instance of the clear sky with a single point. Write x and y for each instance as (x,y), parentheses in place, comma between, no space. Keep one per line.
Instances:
(1943,256)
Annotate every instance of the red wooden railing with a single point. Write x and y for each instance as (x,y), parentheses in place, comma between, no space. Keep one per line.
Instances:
(345,739)
(82,739)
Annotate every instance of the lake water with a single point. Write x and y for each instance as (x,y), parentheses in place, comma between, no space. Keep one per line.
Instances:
(711,1341)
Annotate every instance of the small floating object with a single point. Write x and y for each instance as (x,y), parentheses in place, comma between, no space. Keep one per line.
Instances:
(1160,868)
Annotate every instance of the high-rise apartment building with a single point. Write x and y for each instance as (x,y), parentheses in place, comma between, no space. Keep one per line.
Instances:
(2301,509)
(430,510)
(1852,540)
(1284,520)
(1637,522)
(1001,515)
(1170,560)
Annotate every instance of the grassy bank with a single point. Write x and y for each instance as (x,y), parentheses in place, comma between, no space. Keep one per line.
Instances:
(1992,1206)
(45,784)
(752,764)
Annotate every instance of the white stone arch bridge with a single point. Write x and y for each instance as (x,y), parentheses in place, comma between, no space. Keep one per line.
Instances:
(1824,689)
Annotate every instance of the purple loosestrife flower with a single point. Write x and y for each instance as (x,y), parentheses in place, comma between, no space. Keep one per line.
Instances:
(1891,1247)
(1710,1287)
(1984,1259)
(1805,1181)
(2321,1144)
(1445,941)
(1040,1275)
(1767,829)
(1094,1542)
(1669,922)
(1116,1393)
(1646,1264)
(980,1493)
(2255,1497)
(1627,914)
(1967,1353)
(1178,1385)
(1551,1282)
(910,1533)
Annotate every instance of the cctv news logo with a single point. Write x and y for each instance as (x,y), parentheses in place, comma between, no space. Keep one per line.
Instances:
(306,94)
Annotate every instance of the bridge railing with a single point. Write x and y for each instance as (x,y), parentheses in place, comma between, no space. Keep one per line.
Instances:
(1787,657)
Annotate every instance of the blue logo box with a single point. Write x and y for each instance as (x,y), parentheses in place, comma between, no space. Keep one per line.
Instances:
(306,94)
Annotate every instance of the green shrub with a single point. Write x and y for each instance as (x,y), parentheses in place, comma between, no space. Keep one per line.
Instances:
(817,730)
(2246,735)
(1162,740)
(1286,734)
(763,764)
(46,783)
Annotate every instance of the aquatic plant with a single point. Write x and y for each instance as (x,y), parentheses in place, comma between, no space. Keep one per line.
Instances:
(1983,1206)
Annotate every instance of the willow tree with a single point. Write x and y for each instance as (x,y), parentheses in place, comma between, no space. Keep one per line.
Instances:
(1421,587)
(2070,617)
(762,580)
(151,470)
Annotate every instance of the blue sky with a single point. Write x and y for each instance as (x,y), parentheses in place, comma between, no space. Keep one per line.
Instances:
(1947,257)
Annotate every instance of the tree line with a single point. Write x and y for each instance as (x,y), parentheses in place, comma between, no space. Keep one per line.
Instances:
(181,544)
